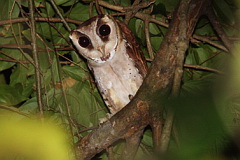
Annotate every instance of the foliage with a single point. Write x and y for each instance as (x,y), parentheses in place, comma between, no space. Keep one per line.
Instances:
(67,84)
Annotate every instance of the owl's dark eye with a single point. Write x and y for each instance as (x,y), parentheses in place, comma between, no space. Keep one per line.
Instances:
(84,41)
(104,30)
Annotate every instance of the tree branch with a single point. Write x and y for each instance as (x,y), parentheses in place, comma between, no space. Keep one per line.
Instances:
(218,28)
(154,91)
(131,146)
(188,15)
(60,15)
(198,67)
(35,58)
(40,19)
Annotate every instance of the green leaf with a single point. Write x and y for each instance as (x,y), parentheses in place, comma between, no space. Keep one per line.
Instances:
(48,11)
(20,74)
(224,11)
(75,72)
(156,41)
(153,28)
(79,12)
(199,123)
(13,53)
(169,5)
(10,95)
(204,28)
(30,106)
(159,9)
(9,9)
(69,3)
(147,138)
(59,2)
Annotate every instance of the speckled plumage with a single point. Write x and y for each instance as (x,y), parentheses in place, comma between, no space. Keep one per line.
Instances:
(115,59)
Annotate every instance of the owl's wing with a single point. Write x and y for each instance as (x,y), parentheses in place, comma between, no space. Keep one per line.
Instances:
(133,49)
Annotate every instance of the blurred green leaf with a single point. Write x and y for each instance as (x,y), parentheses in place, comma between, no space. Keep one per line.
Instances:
(30,106)
(224,11)
(10,95)
(147,138)
(199,123)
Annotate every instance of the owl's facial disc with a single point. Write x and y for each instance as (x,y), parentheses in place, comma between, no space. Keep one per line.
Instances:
(96,39)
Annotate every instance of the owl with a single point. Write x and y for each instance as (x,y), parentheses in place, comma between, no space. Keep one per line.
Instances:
(114,58)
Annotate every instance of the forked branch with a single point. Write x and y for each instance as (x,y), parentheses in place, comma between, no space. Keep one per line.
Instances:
(155,89)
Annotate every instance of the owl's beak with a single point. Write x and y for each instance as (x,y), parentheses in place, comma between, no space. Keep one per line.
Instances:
(101,49)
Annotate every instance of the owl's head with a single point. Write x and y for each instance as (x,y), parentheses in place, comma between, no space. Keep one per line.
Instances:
(97,38)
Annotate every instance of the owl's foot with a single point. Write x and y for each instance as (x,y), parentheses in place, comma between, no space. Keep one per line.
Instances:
(108,116)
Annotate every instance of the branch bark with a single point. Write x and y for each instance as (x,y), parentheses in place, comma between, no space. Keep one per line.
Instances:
(218,28)
(35,58)
(156,87)
(40,19)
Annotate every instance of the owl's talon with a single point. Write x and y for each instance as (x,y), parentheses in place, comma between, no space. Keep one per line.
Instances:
(108,116)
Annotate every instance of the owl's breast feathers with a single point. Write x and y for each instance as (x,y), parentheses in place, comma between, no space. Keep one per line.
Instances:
(118,65)
(119,79)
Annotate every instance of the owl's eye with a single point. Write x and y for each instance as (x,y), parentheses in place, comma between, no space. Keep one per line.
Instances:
(104,30)
(84,41)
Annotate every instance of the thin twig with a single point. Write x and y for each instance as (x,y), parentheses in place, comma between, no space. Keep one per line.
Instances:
(132,12)
(40,19)
(198,67)
(148,42)
(13,59)
(60,15)
(214,38)
(206,40)
(99,8)
(218,28)
(14,34)
(28,46)
(209,58)
(35,57)
(13,109)
(145,17)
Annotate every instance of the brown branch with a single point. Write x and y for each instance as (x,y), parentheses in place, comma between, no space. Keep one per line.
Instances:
(28,46)
(188,17)
(153,92)
(39,19)
(36,58)
(131,146)
(15,110)
(218,28)
(132,10)
(122,125)
(138,14)
(60,15)
(198,67)
(214,38)
(13,60)
(207,40)
(149,18)
(148,42)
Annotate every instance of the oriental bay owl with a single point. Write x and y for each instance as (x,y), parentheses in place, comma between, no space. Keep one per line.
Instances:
(113,56)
